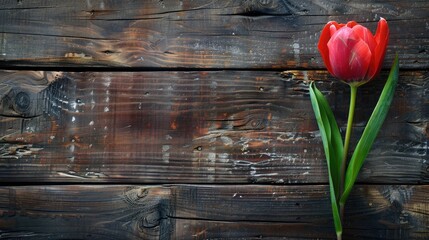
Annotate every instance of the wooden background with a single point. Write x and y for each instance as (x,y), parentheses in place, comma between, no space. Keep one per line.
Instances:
(192,120)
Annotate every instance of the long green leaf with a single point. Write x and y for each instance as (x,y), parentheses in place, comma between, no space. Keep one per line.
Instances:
(335,140)
(371,130)
(333,147)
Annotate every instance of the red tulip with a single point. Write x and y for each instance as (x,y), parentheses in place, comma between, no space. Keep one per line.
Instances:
(350,51)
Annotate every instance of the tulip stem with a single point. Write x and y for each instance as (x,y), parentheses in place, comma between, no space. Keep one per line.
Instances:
(353,93)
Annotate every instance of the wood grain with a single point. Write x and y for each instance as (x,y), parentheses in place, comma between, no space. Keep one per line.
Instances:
(196,34)
(171,120)
(209,212)
(294,212)
(199,127)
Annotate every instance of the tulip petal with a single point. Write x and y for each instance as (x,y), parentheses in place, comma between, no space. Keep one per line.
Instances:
(351,24)
(349,55)
(323,43)
(365,35)
(381,38)
(360,59)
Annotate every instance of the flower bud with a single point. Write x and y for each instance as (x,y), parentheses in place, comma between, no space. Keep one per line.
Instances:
(351,52)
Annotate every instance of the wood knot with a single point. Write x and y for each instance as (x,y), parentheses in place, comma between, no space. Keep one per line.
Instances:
(143,193)
(22,102)
(251,124)
(135,195)
(19,102)
(397,195)
(149,207)
(287,75)
(265,2)
(151,220)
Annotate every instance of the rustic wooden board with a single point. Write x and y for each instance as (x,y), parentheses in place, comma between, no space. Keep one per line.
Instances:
(197,127)
(198,115)
(209,212)
(196,34)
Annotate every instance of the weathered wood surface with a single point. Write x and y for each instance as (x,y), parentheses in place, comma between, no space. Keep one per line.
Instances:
(196,34)
(205,100)
(209,212)
(197,127)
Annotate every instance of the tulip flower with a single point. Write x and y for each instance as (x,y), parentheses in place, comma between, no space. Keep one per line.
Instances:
(352,54)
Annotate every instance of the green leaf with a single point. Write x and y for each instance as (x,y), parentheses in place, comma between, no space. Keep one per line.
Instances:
(371,130)
(334,140)
(333,147)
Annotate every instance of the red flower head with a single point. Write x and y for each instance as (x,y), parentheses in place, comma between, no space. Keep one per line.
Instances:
(350,51)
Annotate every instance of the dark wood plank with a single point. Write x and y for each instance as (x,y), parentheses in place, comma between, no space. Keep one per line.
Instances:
(79,212)
(197,127)
(196,34)
(209,212)
(297,212)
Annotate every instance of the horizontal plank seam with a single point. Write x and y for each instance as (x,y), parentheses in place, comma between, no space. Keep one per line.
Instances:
(237,220)
(36,184)
(171,69)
